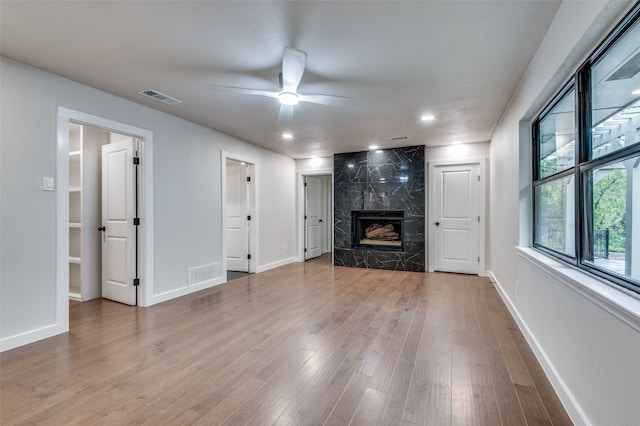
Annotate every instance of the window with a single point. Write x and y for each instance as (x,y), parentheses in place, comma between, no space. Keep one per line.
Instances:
(610,202)
(557,139)
(554,188)
(554,206)
(586,179)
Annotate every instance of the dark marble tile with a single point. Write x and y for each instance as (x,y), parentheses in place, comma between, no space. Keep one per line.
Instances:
(342,232)
(395,165)
(413,230)
(378,197)
(391,260)
(415,257)
(351,258)
(350,168)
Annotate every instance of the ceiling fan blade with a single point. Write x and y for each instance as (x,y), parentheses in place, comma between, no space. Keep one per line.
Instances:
(331,100)
(293,63)
(285,114)
(243,90)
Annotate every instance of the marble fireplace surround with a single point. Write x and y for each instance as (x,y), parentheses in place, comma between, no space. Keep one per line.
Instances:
(390,180)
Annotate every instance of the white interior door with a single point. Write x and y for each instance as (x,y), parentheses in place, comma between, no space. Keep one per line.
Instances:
(456,239)
(313,216)
(118,209)
(237,214)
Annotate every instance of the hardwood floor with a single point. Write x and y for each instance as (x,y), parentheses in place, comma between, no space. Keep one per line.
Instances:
(304,344)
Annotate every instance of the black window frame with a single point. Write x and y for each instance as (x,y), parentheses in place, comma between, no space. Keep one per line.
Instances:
(580,82)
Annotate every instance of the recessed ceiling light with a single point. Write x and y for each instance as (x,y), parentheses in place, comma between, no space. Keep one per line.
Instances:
(636,92)
(378,151)
(287,136)
(455,142)
(428,117)
(373,147)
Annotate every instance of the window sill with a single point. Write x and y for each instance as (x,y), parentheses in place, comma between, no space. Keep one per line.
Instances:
(618,301)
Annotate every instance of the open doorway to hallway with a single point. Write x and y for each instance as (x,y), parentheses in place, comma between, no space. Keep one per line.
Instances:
(239,211)
(317,215)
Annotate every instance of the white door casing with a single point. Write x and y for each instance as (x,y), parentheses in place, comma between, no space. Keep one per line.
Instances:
(237,212)
(119,233)
(313,216)
(456,218)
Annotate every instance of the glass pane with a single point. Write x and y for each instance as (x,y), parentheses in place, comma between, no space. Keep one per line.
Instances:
(556,141)
(555,217)
(613,193)
(615,103)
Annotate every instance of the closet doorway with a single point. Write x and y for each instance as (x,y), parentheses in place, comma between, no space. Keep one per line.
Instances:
(103,194)
(315,205)
(239,212)
(103,220)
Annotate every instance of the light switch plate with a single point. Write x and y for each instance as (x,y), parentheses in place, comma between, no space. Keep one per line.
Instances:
(48,183)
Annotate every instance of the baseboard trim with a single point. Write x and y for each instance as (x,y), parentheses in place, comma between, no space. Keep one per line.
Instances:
(569,402)
(183,291)
(283,262)
(30,336)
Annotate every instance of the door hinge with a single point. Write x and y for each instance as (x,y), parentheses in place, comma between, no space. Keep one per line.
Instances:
(305,184)
(305,217)
(248,178)
(478,178)
(136,221)
(248,257)
(136,282)
(478,258)
(248,217)
(305,250)
(136,160)
(478,218)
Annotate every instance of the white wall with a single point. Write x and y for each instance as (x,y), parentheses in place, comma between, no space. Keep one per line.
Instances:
(458,151)
(588,346)
(188,222)
(319,163)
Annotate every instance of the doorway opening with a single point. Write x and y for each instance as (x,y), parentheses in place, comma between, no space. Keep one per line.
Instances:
(103,206)
(239,213)
(82,251)
(316,219)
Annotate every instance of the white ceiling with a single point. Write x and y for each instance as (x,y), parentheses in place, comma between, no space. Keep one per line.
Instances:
(458,60)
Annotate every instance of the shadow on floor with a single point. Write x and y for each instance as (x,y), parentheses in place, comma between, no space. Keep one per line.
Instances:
(232,275)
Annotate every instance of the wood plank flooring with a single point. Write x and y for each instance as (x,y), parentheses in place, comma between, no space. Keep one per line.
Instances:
(304,344)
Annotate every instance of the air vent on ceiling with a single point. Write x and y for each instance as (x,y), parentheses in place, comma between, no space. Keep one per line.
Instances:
(396,138)
(626,70)
(154,94)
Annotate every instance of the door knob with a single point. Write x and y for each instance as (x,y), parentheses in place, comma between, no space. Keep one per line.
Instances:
(437,223)
(102,228)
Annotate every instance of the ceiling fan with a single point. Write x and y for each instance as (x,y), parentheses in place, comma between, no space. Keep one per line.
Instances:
(293,65)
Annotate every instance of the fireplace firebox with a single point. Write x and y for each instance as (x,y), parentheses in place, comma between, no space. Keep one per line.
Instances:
(378,229)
